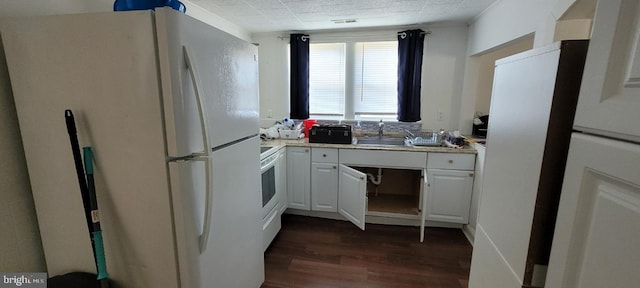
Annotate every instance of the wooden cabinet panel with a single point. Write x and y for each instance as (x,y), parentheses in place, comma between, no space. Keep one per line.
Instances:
(299,177)
(352,199)
(449,195)
(324,187)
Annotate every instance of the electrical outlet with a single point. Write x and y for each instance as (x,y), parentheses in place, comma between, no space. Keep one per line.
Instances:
(440,116)
(269,113)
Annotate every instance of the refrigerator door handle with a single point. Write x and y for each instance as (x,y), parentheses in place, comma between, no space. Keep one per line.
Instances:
(206,225)
(201,107)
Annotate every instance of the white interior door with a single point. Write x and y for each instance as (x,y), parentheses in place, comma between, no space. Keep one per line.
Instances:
(598,226)
(610,96)
(352,195)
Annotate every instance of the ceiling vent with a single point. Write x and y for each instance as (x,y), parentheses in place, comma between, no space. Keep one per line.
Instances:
(344,21)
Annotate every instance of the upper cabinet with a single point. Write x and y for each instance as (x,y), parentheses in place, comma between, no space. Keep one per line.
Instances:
(610,95)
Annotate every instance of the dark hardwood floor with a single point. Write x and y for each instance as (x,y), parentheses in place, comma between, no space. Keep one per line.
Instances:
(314,252)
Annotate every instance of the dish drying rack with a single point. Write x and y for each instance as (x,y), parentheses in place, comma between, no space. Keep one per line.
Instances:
(423,138)
(430,138)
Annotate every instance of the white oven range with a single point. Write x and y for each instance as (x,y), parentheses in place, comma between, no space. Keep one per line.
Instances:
(271,169)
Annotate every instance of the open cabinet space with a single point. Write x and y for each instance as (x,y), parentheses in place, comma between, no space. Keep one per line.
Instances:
(398,191)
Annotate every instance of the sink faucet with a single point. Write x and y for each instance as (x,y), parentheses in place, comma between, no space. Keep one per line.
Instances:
(380,128)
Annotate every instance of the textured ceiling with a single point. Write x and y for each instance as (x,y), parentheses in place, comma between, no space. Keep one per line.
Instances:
(306,15)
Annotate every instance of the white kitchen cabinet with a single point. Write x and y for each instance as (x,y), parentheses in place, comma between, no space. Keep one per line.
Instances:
(352,198)
(299,177)
(324,179)
(449,195)
(450,184)
(281,177)
(410,191)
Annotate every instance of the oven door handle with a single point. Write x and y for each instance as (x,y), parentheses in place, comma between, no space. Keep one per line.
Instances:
(270,163)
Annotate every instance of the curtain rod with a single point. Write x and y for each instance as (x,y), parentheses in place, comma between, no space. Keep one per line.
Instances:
(404,34)
(428,32)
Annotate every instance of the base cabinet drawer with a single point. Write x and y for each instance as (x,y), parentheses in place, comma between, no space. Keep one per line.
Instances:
(451,161)
(324,155)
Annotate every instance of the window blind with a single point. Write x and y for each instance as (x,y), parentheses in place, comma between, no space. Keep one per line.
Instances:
(327,79)
(376,78)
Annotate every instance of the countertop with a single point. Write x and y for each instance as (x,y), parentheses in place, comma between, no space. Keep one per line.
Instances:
(305,143)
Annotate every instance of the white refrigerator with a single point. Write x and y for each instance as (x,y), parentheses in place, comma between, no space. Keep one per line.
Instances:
(597,229)
(170,107)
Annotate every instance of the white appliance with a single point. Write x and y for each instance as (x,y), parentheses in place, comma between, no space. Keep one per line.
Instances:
(170,106)
(598,225)
(271,173)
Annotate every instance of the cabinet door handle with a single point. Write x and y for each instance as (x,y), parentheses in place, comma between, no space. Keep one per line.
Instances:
(450,161)
(324,155)
(306,150)
(361,178)
(470,174)
(334,167)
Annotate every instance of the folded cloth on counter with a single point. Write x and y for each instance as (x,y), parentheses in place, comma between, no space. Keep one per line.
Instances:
(451,145)
(269,133)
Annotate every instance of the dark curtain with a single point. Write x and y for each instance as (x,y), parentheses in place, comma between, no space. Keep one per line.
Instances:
(299,76)
(410,48)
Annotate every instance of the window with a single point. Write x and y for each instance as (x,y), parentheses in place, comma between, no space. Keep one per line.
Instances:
(353,80)
(376,79)
(326,79)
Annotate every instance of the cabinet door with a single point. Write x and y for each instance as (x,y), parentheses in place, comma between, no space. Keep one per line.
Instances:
(298,177)
(424,190)
(352,196)
(609,99)
(595,243)
(324,187)
(448,197)
(281,177)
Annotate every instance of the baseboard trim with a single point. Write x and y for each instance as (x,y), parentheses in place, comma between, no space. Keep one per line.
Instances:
(470,233)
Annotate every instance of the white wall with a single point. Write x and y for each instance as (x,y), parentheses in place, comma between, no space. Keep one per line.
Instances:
(442,74)
(274,76)
(20,244)
(21,250)
(508,20)
(487,62)
(214,20)
(12,8)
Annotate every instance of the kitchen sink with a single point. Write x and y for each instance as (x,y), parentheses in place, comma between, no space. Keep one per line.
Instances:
(391,141)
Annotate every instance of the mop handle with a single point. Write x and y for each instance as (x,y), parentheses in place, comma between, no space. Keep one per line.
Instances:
(98,243)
